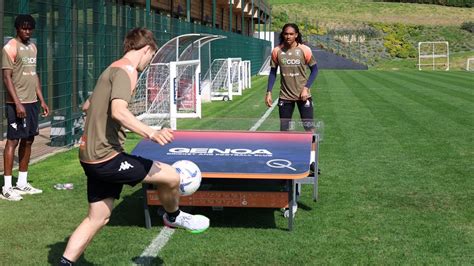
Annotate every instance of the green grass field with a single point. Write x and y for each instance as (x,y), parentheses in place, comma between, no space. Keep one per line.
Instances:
(397,186)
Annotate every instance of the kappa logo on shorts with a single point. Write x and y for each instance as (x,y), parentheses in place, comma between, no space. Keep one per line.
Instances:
(14,125)
(125,166)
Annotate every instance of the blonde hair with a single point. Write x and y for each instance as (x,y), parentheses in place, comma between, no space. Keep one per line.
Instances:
(138,38)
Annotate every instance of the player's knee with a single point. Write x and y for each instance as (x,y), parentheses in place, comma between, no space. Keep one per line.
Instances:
(27,142)
(105,221)
(174,178)
(12,143)
(99,222)
(164,175)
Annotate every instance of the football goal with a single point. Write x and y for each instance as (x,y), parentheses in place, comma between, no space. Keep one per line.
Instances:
(224,78)
(167,91)
(433,55)
(470,64)
(170,87)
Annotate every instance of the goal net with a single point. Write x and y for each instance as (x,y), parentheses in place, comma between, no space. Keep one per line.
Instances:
(225,78)
(235,75)
(219,80)
(433,55)
(167,91)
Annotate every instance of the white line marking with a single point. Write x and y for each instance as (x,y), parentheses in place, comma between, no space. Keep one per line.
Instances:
(264,117)
(154,248)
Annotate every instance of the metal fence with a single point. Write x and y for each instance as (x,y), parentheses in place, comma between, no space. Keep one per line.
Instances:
(78,39)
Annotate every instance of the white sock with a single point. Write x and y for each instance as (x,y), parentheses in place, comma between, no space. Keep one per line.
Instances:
(22,179)
(8,181)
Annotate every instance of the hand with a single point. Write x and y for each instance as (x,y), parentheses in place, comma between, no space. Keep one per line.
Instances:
(163,136)
(268,99)
(20,110)
(305,94)
(45,109)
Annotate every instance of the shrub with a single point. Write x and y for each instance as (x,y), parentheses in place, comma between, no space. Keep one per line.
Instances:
(468,26)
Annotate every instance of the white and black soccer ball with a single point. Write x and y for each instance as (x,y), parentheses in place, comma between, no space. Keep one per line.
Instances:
(190,176)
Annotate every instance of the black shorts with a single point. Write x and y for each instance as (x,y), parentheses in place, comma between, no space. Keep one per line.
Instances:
(286,108)
(106,179)
(22,128)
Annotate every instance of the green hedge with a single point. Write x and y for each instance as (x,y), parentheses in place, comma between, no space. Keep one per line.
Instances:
(457,3)
(397,39)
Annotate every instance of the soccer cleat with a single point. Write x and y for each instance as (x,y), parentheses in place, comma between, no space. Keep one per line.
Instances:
(10,194)
(28,189)
(192,223)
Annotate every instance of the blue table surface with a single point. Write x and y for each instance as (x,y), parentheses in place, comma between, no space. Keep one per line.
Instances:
(236,154)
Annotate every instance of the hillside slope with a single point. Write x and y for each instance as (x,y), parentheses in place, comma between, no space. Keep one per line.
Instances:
(345,12)
(380,35)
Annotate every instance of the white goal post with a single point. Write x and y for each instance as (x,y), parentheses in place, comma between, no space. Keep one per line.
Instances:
(246,74)
(167,91)
(470,64)
(433,54)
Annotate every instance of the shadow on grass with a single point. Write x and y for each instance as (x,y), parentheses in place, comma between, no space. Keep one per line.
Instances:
(56,251)
(145,261)
(130,212)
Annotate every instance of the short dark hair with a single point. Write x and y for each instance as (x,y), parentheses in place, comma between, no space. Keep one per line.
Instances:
(299,39)
(138,38)
(25,19)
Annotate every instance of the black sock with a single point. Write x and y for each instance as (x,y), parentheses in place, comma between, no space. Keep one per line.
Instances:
(172,215)
(64,261)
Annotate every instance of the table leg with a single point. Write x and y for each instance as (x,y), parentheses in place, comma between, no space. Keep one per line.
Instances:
(291,198)
(316,168)
(145,207)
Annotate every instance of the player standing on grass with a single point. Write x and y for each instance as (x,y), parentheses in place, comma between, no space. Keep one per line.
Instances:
(102,156)
(292,56)
(21,108)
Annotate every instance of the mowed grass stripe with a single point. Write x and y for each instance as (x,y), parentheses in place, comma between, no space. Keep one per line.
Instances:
(463,77)
(444,131)
(451,150)
(447,133)
(414,136)
(392,121)
(411,190)
(439,84)
(467,77)
(418,92)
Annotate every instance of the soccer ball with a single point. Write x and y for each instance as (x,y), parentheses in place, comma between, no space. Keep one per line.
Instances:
(190,176)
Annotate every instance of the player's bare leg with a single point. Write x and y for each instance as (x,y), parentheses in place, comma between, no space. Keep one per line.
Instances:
(8,155)
(98,217)
(8,192)
(167,181)
(24,153)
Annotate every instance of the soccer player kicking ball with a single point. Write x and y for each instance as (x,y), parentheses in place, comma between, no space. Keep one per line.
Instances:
(102,156)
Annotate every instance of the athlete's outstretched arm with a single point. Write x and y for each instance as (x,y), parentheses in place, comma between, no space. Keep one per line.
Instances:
(121,113)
